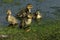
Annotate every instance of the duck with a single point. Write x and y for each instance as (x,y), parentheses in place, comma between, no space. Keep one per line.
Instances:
(26,21)
(27,9)
(11,19)
(37,15)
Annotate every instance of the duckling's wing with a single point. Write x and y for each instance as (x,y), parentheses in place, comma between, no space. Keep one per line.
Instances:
(19,14)
(13,18)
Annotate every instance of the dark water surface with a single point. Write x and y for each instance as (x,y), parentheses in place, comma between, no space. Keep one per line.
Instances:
(44,7)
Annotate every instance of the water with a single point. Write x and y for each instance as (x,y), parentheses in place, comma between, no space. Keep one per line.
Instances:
(44,7)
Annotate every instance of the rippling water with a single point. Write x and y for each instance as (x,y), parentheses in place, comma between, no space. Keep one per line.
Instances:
(44,7)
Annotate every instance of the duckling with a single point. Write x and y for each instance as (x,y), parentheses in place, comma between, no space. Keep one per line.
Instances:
(26,21)
(22,20)
(29,19)
(27,9)
(37,15)
(11,19)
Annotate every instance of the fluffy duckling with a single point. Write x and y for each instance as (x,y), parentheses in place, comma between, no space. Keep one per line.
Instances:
(26,10)
(11,19)
(37,15)
(26,21)
(22,20)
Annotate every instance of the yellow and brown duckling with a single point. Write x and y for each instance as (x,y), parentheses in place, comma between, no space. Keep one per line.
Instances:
(11,19)
(22,15)
(27,9)
(26,20)
(37,15)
